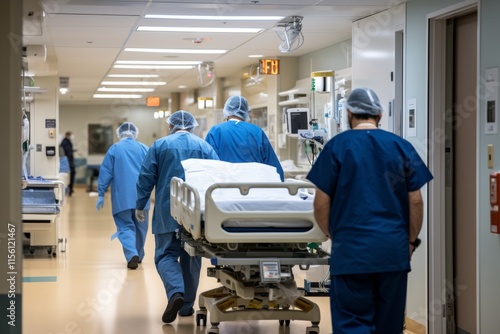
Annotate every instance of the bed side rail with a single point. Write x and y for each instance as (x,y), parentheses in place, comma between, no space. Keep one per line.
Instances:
(215,217)
(185,206)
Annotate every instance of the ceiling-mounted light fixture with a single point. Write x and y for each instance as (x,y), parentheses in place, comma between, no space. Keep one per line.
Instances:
(291,35)
(63,85)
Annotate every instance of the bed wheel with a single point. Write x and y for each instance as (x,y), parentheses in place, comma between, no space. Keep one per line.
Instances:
(32,250)
(285,323)
(201,317)
(312,330)
(214,329)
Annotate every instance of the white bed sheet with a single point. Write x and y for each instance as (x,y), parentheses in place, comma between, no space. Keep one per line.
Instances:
(201,174)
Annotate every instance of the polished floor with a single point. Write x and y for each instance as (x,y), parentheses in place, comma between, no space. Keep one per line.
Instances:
(87,288)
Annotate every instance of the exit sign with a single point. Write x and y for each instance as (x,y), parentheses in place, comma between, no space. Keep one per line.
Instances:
(270,66)
(153,101)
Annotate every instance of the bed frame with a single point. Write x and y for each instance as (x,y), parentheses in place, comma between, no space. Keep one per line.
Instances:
(252,262)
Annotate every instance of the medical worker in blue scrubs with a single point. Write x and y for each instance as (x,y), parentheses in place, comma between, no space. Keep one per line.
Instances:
(239,141)
(179,272)
(368,201)
(120,170)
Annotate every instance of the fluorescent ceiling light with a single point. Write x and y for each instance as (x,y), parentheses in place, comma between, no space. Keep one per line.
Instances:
(176,50)
(158,67)
(255,56)
(132,90)
(161,62)
(117,96)
(134,83)
(133,75)
(202,29)
(182,86)
(215,17)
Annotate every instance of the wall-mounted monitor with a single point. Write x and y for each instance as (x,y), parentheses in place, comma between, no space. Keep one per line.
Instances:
(297,119)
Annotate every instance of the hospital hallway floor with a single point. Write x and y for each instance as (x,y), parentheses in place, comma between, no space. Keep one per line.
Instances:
(87,288)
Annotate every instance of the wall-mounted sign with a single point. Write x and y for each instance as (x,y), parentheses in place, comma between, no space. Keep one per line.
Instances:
(270,66)
(152,101)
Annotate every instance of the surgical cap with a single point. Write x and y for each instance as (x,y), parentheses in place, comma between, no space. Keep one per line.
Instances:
(236,106)
(182,120)
(364,101)
(127,130)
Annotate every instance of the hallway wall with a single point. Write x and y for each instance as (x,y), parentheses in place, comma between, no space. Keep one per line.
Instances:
(416,87)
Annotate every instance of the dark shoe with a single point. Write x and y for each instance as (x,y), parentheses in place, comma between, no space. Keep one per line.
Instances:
(133,263)
(187,313)
(174,305)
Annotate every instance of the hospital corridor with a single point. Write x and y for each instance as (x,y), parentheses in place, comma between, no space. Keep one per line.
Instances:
(88,288)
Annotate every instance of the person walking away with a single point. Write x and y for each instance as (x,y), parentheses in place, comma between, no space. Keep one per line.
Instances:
(119,170)
(368,201)
(179,272)
(67,146)
(239,141)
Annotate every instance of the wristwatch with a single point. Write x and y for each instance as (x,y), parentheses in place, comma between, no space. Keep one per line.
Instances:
(416,243)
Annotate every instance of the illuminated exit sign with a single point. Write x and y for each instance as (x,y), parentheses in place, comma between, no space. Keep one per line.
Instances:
(270,66)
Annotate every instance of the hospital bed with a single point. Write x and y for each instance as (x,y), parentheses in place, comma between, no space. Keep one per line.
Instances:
(254,233)
(41,202)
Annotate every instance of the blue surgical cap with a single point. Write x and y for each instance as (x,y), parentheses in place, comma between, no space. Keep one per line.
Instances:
(127,130)
(364,101)
(182,120)
(237,106)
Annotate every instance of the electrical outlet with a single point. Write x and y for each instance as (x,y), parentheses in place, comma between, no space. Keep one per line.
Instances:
(39,147)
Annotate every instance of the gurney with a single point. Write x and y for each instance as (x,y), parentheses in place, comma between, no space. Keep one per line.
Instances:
(254,233)
(41,202)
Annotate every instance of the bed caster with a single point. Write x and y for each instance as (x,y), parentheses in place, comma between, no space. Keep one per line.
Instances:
(285,323)
(214,329)
(201,316)
(312,330)
(32,250)
(63,242)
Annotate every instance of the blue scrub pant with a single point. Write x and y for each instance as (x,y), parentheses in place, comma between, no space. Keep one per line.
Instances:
(368,303)
(180,276)
(131,233)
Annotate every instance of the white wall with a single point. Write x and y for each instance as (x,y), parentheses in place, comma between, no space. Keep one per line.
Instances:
(77,117)
(45,107)
(373,54)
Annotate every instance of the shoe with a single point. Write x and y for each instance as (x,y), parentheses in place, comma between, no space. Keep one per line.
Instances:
(133,263)
(174,305)
(186,313)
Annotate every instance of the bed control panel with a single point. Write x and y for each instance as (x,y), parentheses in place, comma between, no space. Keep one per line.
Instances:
(270,270)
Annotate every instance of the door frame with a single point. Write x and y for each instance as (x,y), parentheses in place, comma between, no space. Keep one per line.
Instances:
(436,79)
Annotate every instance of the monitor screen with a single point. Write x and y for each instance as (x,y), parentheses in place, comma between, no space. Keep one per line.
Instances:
(298,119)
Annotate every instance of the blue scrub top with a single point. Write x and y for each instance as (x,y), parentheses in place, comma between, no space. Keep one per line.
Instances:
(238,141)
(120,170)
(368,174)
(163,161)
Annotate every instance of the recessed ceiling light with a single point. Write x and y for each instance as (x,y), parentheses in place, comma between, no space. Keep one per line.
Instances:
(215,17)
(201,29)
(134,83)
(133,75)
(176,50)
(121,90)
(160,62)
(157,67)
(117,96)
